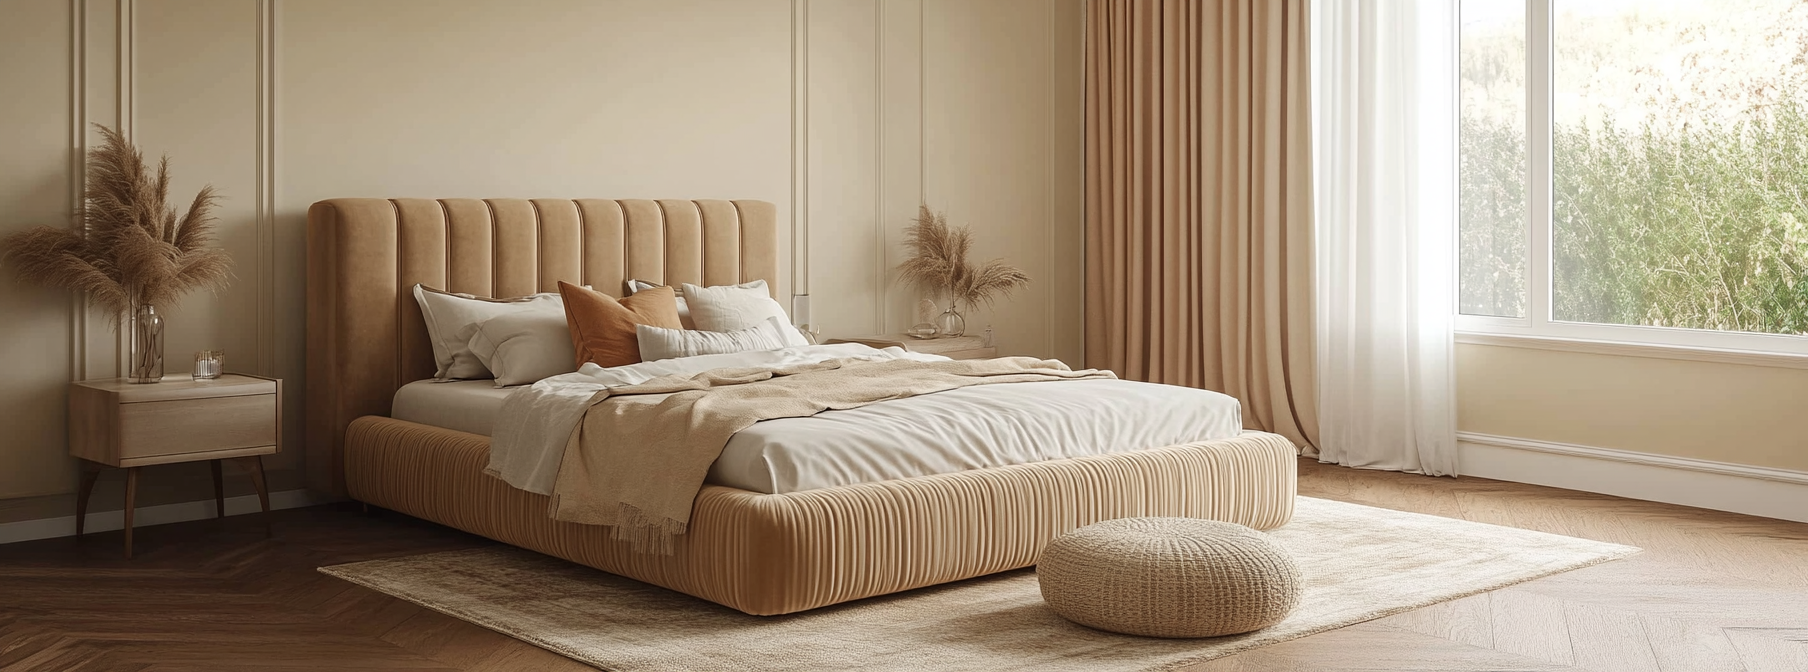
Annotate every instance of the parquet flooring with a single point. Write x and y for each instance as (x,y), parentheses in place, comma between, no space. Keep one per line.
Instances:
(1712,592)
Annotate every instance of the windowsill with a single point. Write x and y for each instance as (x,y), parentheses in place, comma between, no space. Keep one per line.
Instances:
(1648,350)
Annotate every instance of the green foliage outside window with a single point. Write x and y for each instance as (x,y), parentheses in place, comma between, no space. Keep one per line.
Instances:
(1695,217)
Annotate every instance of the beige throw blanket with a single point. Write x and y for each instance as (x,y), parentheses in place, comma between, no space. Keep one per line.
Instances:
(642,451)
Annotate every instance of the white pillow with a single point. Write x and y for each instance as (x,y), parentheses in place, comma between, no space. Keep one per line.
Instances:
(658,343)
(523,347)
(684,309)
(453,318)
(736,307)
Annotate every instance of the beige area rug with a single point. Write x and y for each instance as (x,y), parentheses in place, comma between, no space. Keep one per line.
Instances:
(1359,562)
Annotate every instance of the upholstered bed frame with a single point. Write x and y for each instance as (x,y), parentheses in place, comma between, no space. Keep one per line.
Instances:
(759,553)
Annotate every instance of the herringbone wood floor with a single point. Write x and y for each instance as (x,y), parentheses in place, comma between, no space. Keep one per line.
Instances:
(1712,592)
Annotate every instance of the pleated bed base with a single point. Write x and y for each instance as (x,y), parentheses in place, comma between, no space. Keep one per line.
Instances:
(778,554)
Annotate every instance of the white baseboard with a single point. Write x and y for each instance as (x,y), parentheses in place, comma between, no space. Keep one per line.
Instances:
(1757,491)
(106,521)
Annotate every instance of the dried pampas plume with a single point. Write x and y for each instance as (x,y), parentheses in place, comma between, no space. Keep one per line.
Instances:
(132,247)
(938,263)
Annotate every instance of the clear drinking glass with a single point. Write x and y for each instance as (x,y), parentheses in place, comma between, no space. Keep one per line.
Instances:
(209,364)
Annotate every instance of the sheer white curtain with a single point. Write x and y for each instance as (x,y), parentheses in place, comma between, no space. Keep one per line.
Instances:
(1384,210)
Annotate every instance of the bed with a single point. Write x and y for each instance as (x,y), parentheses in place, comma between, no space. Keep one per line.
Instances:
(763,553)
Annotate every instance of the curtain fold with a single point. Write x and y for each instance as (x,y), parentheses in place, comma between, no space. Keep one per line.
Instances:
(1384,171)
(1199,251)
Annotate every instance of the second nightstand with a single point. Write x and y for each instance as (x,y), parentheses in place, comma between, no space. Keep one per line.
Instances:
(113,423)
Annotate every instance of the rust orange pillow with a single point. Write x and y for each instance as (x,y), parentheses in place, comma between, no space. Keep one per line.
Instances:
(602,327)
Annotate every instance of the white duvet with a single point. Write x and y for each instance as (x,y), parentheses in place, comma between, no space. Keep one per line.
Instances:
(967,428)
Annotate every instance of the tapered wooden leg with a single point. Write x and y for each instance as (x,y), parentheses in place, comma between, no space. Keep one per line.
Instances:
(131,502)
(263,493)
(90,474)
(219,491)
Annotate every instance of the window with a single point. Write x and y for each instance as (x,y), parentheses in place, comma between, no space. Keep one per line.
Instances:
(1635,171)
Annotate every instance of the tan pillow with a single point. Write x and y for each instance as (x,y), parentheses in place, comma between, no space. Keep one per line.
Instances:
(602,328)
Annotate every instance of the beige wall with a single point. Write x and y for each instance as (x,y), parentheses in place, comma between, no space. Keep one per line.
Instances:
(1734,413)
(846,113)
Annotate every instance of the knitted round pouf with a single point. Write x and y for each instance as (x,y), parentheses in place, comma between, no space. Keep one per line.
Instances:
(1169,577)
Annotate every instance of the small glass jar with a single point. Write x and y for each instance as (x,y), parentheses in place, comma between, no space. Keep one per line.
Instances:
(209,364)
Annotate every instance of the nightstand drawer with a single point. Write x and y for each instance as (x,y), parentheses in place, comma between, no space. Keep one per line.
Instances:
(152,428)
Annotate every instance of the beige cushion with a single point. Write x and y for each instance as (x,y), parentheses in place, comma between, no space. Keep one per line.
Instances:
(522,348)
(1169,577)
(452,319)
(657,343)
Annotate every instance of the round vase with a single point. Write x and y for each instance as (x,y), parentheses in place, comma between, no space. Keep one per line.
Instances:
(950,324)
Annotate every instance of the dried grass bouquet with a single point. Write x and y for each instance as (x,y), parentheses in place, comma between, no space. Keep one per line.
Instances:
(938,263)
(132,248)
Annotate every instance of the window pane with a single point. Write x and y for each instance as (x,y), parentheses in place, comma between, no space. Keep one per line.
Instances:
(1491,222)
(1680,164)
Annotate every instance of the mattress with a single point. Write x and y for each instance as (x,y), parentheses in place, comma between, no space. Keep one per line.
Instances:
(462,405)
(969,428)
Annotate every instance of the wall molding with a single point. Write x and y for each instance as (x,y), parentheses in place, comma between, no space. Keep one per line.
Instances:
(126,110)
(800,150)
(126,105)
(267,86)
(881,285)
(1722,486)
(1048,184)
(78,174)
(108,521)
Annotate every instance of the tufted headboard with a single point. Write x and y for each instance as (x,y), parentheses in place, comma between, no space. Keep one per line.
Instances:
(365,334)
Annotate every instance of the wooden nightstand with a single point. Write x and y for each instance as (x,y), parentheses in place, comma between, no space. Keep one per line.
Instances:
(959,347)
(113,423)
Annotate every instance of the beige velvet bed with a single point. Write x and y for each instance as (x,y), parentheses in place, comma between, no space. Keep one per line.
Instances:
(759,553)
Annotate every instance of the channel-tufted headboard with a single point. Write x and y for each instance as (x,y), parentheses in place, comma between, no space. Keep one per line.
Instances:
(365,334)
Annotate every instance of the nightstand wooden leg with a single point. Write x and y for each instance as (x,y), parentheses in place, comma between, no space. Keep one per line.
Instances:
(90,474)
(131,502)
(219,491)
(263,493)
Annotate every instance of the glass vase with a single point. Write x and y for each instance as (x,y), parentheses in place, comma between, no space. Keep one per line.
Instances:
(144,345)
(950,323)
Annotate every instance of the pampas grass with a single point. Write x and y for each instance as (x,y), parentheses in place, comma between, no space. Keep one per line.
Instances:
(133,247)
(938,263)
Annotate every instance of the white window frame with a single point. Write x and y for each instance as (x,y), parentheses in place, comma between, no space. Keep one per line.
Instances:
(1537,329)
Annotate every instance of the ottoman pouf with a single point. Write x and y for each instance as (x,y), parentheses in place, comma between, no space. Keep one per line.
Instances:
(1169,577)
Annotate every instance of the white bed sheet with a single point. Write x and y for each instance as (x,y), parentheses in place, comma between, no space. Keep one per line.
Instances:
(968,428)
(463,405)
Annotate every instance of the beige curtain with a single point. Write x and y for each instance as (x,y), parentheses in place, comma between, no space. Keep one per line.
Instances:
(1198,202)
